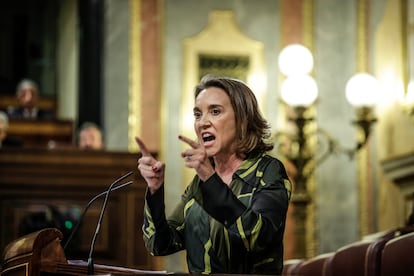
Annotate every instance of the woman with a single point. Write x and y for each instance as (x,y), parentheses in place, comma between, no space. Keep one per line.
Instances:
(231,218)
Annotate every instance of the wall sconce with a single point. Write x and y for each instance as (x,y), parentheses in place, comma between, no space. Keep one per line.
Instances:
(299,92)
(362,92)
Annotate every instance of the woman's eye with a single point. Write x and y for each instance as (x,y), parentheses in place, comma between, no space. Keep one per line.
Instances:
(197,115)
(215,111)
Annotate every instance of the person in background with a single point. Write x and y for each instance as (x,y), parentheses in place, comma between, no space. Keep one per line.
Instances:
(231,218)
(4,125)
(90,137)
(5,140)
(27,94)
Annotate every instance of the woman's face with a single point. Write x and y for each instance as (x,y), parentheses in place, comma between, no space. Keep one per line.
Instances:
(214,122)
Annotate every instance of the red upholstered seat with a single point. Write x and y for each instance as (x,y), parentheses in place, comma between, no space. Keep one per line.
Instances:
(374,252)
(364,257)
(350,259)
(373,256)
(291,266)
(316,266)
(397,256)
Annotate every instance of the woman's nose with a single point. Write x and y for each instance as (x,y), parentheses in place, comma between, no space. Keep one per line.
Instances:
(205,121)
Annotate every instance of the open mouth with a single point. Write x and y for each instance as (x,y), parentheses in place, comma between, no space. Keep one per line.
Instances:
(207,137)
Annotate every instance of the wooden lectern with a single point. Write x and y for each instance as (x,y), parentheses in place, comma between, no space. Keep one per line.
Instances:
(26,255)
(41,253)
(31,180)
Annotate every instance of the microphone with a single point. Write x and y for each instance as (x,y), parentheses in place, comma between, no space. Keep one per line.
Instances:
(75,229)
(98,225)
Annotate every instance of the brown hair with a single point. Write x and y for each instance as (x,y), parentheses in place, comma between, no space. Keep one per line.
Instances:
(251,128)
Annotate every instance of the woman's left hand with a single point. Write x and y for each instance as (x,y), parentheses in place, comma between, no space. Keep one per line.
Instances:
(196,157)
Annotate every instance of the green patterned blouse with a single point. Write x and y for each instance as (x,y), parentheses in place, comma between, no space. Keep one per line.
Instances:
(225,229)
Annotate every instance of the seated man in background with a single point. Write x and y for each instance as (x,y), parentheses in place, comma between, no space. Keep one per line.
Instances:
(6,141)
(90,137)
(27,93)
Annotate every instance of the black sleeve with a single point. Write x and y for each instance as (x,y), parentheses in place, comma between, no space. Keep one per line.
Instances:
(219,201)
(157,206)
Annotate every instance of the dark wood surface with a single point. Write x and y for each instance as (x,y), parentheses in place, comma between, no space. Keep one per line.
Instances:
(34,180)
(42,133)
(41,253)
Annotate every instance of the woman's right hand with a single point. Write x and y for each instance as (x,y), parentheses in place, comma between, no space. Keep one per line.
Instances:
(151,169)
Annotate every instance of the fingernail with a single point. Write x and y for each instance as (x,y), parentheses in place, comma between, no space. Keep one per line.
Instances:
(154,168)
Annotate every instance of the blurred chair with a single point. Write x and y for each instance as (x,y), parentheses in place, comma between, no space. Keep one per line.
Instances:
(374,253)
(291,266)
(363,257)
(397,256)
(350,259)
(316,266)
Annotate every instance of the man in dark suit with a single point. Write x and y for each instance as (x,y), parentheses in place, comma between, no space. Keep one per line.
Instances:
(27,94)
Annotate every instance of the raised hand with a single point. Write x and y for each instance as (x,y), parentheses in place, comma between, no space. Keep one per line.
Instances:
(196,157)
(151,169)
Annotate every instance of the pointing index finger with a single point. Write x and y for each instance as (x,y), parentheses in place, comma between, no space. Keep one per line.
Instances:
(190,142)
(142,147)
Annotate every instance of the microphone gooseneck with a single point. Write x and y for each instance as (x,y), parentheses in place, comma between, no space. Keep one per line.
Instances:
(98,225)
(80,220)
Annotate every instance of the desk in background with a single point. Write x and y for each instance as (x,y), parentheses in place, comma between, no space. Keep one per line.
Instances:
(42,133)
